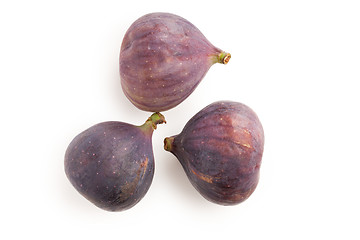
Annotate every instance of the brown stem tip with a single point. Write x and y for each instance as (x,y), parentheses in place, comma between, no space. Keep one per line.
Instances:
(168,142)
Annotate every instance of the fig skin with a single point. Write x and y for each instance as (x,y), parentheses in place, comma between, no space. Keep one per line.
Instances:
(220,149)
(112,163)
(163,58)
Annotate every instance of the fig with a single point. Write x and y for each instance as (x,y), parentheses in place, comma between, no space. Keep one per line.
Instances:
(163,58)
(112,164)
(220,149)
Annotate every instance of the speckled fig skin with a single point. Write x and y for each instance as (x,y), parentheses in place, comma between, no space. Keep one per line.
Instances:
(112,163)
(163,58)
(220,149)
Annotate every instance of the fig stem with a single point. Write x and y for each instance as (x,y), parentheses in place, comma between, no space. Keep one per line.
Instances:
(224,57)
(168,142)
(153,120)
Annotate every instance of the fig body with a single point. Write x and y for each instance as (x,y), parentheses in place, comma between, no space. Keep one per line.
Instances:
(220,149)
(163,58)
(112,163)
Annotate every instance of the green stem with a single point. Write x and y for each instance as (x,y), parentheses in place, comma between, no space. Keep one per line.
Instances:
(224,57)
(153,120)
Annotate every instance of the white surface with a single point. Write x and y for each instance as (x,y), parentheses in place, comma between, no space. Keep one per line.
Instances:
(296,63)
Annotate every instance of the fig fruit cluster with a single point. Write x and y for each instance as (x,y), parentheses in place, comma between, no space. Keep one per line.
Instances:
(163,58)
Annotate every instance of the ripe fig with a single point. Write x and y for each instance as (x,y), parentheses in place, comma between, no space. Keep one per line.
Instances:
(163,58)
(220,149)
(112,163)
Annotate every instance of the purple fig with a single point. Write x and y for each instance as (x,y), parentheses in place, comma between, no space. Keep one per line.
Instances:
(163,58)
(220,149)
(112,163)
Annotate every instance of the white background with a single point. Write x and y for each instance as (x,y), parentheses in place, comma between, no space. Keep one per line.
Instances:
(295,63)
